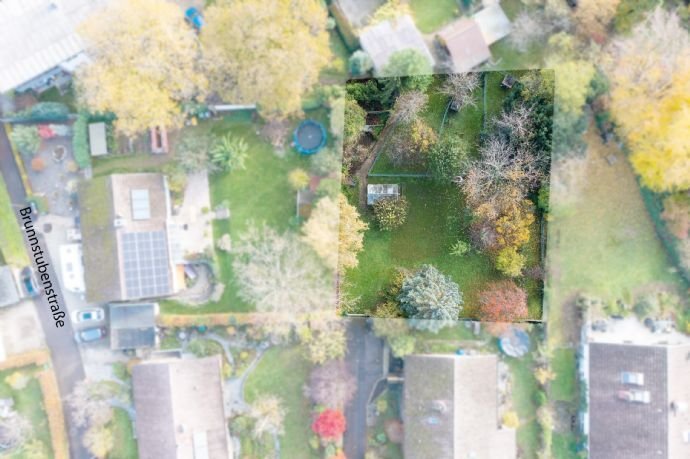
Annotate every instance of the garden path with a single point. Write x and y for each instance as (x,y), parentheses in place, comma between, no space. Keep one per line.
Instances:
(363,172)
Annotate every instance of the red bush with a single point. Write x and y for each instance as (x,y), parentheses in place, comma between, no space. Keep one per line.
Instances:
(329,425)
(503,302)
(45,132)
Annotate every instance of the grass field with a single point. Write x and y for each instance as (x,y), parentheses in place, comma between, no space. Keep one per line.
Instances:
(431,16)
(524,388)
(123,436)
(282,371)
(260,194)
(28,402)
(564,365)
(601,239)
(437,217)
(11,239)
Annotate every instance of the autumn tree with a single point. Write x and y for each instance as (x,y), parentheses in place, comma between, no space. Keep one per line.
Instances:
(14,430)
(323,339)
(26,139)
(429,294)
(143,64)
(350,234)
(192,151)
(99,440)
(408,106)
(268,413)
(271,57)
(355,119)
(397,334)
(412,143)
(649,74)
(330,424)
(298,179)
(331,385)
(277,273)
(460,87)
(447,158)
(391,213)
(503,301)
(593,17)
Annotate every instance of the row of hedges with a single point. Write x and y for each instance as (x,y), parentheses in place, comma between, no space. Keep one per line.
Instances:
(56,418)
(42,112)
(654,203)
(80,141)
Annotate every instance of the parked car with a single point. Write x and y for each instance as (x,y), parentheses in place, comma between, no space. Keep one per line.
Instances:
(89,335)
(193,16)
(29,283)
(88,315)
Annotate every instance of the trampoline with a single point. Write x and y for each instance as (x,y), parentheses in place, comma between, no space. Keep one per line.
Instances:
(514,342)
(309,137)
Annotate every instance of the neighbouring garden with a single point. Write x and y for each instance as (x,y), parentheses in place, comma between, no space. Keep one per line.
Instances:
(468,157)
(12,249)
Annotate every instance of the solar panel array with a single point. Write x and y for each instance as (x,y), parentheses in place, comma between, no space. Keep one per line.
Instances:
(145,264)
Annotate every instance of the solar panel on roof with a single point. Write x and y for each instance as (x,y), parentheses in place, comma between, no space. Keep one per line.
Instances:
(145,264)
(141,207)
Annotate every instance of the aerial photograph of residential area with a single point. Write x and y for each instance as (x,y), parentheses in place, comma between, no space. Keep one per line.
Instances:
(329,229)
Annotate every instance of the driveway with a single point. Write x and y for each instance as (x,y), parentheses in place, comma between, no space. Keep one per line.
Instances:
(364,357)
(64,351)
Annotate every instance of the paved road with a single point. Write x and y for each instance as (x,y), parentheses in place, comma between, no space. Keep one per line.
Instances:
(364,356)
(64,351)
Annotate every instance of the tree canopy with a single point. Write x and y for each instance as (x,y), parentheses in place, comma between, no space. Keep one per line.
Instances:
(144,64)
(429,294)
(265,52)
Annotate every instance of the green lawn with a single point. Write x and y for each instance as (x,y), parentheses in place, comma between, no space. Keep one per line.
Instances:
(29,403)
(282,371)
(431,16)
(130,163)
(123,436)
(564,446)
(564,365)
(601,238)
(524,388)
(260,194)
(11,240)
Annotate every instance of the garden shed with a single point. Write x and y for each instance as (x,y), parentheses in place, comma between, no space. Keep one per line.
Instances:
(380,190)
(98,143)
(386,38)
(493,23)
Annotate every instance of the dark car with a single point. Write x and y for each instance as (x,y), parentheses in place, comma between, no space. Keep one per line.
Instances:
(89,335)
(29,283)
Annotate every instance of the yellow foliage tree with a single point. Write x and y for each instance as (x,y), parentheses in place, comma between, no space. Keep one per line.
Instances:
(268,52)
(143,64)
(332,224)
(572,75)
(649,71)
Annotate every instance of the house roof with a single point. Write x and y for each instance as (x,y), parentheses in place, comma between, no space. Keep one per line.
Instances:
(358,12)
(38,35)
(126,256)
(179,406)
(465,43)
(634,430)
(384,39)
(9,294)
(493,23)
(97,139)
(451,408)
(132,326)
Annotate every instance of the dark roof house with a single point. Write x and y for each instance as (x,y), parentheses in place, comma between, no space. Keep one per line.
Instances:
(126,247)
(639,398)
(451,408)
(133,326)
(179,409)
(9,294)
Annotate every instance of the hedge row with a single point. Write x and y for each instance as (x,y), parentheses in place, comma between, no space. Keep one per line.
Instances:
(36,357)
(56,418)
(80,141)
(655,207)
(42,112)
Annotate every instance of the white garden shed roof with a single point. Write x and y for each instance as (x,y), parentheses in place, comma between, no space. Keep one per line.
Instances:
(39,35)
(384,39)
(97,139)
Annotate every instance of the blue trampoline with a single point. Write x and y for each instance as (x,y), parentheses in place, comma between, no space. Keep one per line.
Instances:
(309,137)
(514,342)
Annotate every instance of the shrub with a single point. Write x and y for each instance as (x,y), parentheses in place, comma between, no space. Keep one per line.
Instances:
(298,179)
(388,309)
(503,301)
(17,380)
(45,111)
(540,398)
(26,139)
(325,163)
(511,420)
(510,262)
(460,248)
(429,294)
(37,164)
(360,63)
(355,119)
(229,153)
(329,425)
(446,158)
(120,371)
(382,405)
(391,213)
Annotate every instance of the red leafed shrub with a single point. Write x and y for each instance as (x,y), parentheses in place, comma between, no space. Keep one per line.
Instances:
(503,302)
(45,132)
(329,425)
